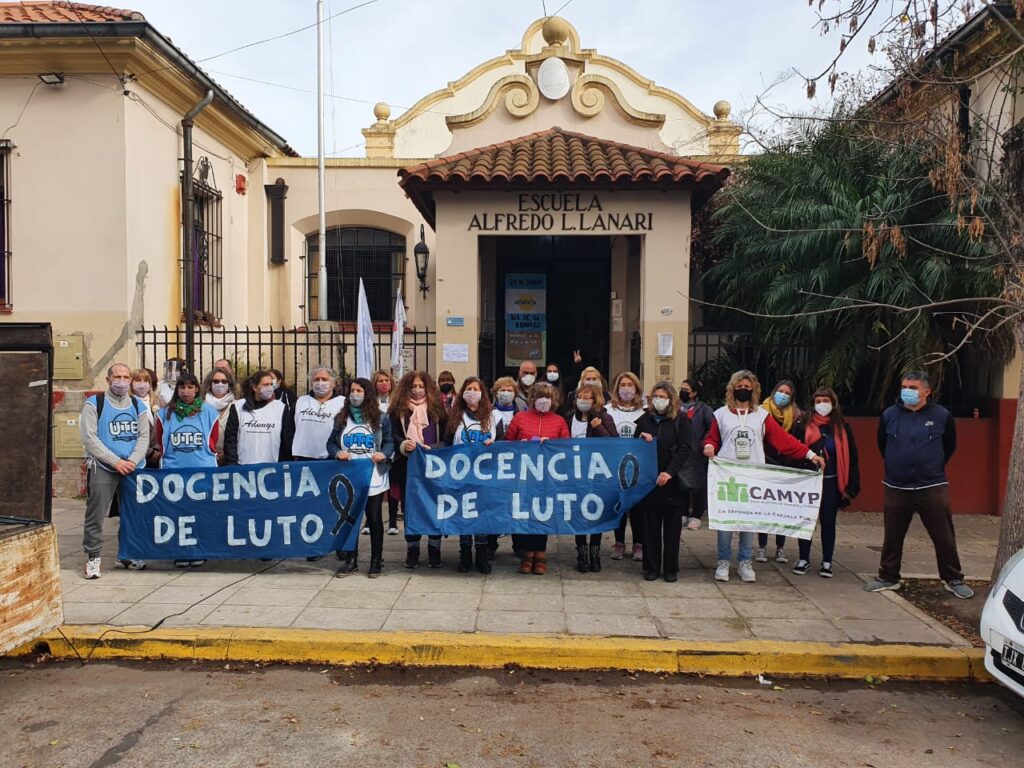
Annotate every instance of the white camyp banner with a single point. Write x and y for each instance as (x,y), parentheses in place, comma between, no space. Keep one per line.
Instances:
(762,498)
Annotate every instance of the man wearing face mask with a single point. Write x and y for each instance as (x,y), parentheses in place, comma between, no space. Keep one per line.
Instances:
(527,378)
(115,429)
(917,438)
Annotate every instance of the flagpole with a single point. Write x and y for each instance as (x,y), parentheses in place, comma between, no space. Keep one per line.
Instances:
(321,195)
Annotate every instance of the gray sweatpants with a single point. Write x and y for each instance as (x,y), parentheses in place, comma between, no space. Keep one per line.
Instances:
(102,488)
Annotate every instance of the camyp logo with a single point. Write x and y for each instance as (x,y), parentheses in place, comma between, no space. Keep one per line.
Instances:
(733,491)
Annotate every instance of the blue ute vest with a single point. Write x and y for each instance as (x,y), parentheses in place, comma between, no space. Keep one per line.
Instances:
(187,443)
(118,428)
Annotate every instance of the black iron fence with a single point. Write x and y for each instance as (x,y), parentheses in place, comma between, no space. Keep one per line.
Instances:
(294,352)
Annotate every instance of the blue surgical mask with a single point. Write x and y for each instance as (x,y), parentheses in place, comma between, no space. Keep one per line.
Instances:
(781,399)
(910,397)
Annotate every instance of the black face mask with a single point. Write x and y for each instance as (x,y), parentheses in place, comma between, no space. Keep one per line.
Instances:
(742,395)
(687,396)
(447,388)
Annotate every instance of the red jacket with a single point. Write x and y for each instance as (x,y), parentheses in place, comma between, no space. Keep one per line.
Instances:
(530,425)
(774,435)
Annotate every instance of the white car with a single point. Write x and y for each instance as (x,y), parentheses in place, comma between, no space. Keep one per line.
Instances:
(1002,626)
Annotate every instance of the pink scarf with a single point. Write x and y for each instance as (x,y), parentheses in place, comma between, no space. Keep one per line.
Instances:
(813,433)
(418,421)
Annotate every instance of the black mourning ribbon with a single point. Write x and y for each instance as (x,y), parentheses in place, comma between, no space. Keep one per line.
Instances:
(344,510)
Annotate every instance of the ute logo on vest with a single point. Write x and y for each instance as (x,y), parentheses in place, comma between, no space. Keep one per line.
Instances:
(187,439)
(359,440)
(124,427)
(473,434)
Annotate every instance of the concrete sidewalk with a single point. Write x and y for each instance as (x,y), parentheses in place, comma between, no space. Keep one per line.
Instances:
(617,602)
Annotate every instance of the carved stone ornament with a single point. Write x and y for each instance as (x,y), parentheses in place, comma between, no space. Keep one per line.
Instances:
(521,99)
(553,78)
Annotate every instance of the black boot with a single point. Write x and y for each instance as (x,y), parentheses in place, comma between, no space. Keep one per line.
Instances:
(595,558)
(582,558)
(434,556)
(349,563)
(465,558)
(374,571)
(483,562)
(412,557)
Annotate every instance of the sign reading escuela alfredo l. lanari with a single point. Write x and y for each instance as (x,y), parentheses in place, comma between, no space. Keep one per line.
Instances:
(561,211)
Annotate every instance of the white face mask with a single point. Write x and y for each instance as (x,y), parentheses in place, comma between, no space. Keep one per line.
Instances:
(505,397)
(527,379)
(472,397)
(584,406)
(267,392)
(140,388)
(322,388)
(355,399)
(823,409)
(627,395)
(660,404)
(552,377)
(219,388)
(542,404)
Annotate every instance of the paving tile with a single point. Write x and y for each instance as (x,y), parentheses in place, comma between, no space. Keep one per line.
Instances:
(92,613)
(413,600)
(685,587)
(807,630)
(625,606)
(123,578)
(876,631)
(390,580)
(432,621)
(683,607)
(148,614)
(776,609)
(599,585)
(202,577)
(173,593)
(611,625)
(519,584)
(546,622)
(703,629)
(255,595)
(356,599)
(534,603)
(98,592)
(253,616)
(307,580)
(357,619)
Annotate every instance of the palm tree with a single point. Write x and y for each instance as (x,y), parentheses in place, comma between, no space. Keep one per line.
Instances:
(833,219)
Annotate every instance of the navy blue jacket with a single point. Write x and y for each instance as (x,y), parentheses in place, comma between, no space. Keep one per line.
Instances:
(916,445)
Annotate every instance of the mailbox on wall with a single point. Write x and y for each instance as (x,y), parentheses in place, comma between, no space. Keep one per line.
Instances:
(69,356)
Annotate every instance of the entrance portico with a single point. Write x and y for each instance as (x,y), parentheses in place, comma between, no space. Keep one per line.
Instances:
(590,229)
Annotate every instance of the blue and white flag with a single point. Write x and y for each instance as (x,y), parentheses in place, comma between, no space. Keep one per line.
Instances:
(555,487)
(398,336)
(294,509)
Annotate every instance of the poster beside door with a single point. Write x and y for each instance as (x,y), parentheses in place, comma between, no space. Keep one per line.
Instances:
(525,318)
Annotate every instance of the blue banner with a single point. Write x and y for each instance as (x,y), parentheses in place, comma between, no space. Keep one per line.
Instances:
(295,509)
(555,487)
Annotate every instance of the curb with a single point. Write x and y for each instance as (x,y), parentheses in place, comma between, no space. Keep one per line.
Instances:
(494,651)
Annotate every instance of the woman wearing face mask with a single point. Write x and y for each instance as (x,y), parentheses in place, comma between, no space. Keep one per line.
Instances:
(258,429)
(626,408)
(418,422)
(700,415)
(553,376)
(446,383)
(314,416)
(383,384)
(503,395)
(283,392)
(662,508)
(740,432)
(361,432)
(219,393)
(780,404)
(541,423)
(590,377)
(143,386)
(589,419)
(471,420)
(176,428)
(828,435)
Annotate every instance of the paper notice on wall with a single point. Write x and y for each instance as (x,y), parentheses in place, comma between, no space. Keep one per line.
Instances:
(616,325)
(665,344)
(455,353)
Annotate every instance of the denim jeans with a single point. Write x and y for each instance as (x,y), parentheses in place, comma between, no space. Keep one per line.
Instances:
(725,545)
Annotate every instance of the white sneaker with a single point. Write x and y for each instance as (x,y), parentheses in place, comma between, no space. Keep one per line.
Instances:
(722,571)
(392,531)
(131,565)
(780,555)
(365,531)
(92,568)
(693,524)
(761,555)
(746,571)
(638,553)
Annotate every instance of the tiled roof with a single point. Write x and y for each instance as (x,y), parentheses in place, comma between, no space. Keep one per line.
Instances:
(559,157)
(63,13)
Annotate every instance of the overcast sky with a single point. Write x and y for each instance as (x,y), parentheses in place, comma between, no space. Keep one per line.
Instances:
(399,50)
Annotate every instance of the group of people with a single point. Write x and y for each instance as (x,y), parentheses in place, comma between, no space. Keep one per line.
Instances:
(218,422)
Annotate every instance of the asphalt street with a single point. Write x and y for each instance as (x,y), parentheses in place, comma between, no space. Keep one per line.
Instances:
(182,714)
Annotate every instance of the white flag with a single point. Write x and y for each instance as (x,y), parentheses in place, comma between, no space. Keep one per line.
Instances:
(398,335)
(364,337)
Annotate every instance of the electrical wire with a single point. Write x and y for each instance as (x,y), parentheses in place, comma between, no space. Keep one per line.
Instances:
(21,114)
(85,26)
